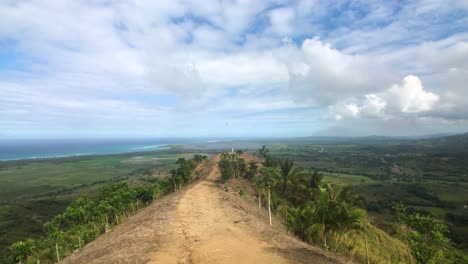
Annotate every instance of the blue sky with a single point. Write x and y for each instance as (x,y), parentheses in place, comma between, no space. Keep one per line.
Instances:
(232,68)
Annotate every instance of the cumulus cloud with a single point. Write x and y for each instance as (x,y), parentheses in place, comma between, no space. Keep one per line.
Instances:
(200,60)
(323,75)
(409,97)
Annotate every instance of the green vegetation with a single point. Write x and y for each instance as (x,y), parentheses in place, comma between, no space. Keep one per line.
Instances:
(429,176)
(330,214)
(82,221)
(183,174)
(37,190)
(426,237)
(231,165)
(265,183)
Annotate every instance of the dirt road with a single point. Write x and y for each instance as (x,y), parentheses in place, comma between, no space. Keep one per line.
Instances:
(202,224)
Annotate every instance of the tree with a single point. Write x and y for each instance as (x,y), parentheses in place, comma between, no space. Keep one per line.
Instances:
(305,186)
(232,166)
(331,213)
(84,219)
(22,250)
(226,167)
(268,161)
(264,152)
(258,183)
(54,234)
(185,170)
(144,194)
(425,235)
(287,172)
(240,167)
(315,179)
(252,170)
(82,233)
(269,178)
(199,158)
(175,179)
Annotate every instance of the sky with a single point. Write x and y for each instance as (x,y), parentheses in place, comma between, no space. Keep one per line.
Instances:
(203,68)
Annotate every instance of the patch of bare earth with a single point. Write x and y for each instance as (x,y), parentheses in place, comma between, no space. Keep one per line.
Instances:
(200,224)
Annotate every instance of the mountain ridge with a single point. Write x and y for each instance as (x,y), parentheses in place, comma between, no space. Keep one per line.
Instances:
(200,224)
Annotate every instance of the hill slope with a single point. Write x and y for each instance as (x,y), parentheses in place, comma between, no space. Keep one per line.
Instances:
(200,224)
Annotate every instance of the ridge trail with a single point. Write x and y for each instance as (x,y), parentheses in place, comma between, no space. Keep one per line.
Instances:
(200,224)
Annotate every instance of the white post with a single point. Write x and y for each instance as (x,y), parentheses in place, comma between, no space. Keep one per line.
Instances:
(269,206)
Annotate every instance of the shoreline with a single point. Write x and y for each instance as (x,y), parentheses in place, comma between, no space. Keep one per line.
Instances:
(144,150)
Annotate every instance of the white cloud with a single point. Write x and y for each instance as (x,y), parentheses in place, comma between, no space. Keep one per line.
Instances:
(242,69)
(323,75)
(281,20)
(373,106)
(117,59)
(411,97)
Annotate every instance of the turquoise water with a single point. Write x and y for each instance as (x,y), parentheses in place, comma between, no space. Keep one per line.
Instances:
(47,148)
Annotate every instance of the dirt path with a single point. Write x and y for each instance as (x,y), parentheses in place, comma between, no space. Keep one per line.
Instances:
(206,232)
(204,224)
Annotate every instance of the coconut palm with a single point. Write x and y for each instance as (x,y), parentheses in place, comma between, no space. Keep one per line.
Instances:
(331,213)
(287,172)
(304,186)
(315,179)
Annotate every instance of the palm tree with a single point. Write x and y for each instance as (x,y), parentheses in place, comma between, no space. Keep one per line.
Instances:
(331,213)
(288,172)
(315,179)
(268,180)
(304,186)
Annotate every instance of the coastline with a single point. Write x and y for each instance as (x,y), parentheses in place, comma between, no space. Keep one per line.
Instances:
(145,150)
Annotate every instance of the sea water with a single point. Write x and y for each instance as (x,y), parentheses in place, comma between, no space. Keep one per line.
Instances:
(15,149)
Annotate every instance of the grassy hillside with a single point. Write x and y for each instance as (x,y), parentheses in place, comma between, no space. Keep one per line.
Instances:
(34,191)
(432,176)
(315,216)
(429,176)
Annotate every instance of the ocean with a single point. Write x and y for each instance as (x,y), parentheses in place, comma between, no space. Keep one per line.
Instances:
(16,149)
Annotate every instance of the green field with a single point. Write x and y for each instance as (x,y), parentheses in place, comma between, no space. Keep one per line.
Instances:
(434,180)
(33,191)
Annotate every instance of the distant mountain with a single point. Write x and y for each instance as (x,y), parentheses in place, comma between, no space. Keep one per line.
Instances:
(454,143)
(438,135)
(380,137)
(433,143)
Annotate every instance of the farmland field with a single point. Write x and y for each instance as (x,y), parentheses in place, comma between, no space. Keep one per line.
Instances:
(33,191)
